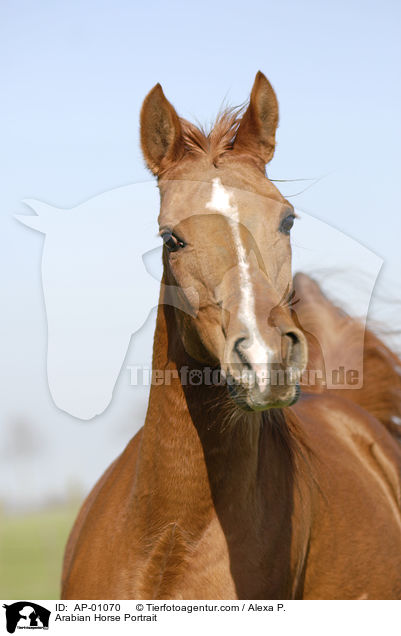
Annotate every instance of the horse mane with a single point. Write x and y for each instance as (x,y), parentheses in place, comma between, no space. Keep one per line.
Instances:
(216,141)
(333,328)
(380,394)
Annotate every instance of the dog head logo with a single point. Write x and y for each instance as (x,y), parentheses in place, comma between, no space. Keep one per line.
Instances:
(26,615)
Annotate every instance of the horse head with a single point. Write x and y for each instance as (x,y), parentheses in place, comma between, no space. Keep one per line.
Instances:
(226,233)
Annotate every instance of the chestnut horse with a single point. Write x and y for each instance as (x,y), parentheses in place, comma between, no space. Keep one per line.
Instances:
(236,488)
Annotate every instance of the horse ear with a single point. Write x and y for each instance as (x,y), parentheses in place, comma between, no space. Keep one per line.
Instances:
(161,133)
(257,131)
(44,219)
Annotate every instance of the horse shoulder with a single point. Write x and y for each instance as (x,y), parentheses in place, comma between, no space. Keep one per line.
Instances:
(105,499)
(340,430)
(355,537)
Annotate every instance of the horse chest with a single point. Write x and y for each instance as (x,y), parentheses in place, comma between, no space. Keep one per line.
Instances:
(180,569)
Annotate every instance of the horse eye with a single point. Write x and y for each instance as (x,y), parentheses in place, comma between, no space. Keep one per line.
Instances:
(286,224)
(172,242)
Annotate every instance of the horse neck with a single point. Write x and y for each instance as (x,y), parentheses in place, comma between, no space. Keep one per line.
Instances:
(197,453)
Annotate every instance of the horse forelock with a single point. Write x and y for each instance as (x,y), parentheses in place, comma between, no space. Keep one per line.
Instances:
(214,142)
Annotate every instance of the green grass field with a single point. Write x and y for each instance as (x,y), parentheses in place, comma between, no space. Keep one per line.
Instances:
(31,552)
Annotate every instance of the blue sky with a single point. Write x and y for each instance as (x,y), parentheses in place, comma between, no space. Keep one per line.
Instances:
(74,76)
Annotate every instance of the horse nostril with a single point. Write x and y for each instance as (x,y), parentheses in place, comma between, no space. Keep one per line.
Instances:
(293,350)
(292,336)
(238,348)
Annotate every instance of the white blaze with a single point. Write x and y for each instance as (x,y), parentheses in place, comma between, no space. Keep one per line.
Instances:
(223,201)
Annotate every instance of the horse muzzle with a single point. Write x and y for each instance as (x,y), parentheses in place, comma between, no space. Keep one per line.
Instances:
(260,377)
